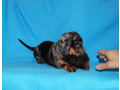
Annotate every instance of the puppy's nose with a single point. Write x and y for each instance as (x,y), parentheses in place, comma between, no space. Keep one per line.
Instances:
(72,51)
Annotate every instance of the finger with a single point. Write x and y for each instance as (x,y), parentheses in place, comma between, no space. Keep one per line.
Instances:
(102,66)
(103,57)
(116,50)
(113,65)
(103,52)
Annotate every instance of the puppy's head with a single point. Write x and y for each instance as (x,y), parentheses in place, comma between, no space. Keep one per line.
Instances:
(71,43)
(64,43)
(77,44)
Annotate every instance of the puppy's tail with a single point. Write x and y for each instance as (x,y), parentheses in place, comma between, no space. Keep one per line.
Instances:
(31,48)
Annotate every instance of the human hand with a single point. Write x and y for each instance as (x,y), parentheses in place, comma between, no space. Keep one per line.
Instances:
(112,58)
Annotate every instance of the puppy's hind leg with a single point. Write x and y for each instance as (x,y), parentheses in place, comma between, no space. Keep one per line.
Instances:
(38,57)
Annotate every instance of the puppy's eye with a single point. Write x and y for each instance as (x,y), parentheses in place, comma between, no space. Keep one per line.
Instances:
(76,43)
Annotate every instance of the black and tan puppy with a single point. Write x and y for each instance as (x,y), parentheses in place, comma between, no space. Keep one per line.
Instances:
(77,56)
(52,53)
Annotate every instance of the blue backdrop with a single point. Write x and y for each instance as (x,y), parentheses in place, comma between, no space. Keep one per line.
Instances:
(35,21)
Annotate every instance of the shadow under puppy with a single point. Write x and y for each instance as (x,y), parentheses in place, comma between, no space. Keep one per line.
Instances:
(53,52)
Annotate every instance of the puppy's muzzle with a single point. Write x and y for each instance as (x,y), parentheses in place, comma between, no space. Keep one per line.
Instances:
(75,52)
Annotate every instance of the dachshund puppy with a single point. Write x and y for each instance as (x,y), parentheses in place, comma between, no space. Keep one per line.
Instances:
(53,52)
(77,56)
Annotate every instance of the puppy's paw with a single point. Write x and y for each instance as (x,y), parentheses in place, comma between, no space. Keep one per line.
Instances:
(41,61)
(71,69)
(87,66)
(86,69)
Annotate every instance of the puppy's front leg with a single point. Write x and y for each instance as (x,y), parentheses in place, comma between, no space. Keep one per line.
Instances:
(64,65)
(86,67)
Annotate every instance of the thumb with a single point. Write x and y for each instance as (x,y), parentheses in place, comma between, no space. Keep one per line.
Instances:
(102,66)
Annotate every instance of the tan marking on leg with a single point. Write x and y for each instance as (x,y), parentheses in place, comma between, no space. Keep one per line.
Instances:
(61,63)
(41,61)
(87,66)
(66,66)
(71,69)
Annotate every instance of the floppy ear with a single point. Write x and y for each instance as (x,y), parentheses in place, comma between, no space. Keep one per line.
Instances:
(82,51)
(64,43)
(64,47)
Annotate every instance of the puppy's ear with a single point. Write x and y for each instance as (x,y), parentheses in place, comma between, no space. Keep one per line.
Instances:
(64,46)
(63,49)
(64,43)
(82,51)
